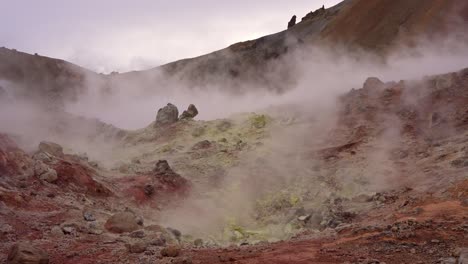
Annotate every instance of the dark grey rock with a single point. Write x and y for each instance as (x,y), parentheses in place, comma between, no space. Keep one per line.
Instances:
(167,115)
(292,22)
(190,113)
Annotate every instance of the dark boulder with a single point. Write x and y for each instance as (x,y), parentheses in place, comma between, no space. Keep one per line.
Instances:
(167,115)
(190,113)
(162,167)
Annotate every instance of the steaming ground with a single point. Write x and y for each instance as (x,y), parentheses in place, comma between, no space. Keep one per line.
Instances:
(257,169)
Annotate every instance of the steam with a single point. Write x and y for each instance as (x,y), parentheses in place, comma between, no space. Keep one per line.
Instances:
(320,74)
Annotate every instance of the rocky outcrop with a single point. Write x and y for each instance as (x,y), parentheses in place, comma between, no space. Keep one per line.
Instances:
(316,13)
(51,148)
(190,113)
(24,253)
(123,222)
(44,172)
(373,83)
(167,115)
(292,22)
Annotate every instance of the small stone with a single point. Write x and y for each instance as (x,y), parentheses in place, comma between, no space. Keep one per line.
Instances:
(304,218)
(198,242)
(88,216)
(137,247)
(138,234)
(123,222)
(159,241)
(68,230)
(56,231)
(170,251)
(149,189)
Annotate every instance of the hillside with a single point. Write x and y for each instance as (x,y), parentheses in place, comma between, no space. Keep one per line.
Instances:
(375,26)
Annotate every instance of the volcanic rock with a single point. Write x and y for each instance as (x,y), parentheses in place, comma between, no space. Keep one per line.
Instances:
(177,234)
(51,148)
(149,189)
(123,222)
(162,167)
(50,176)
(205,144)
(23,253)
(167,115)
(292,22)
(314,14)
(170,251)
(44,172)
(88,216)
(373,83)
(137,247)
(190,113)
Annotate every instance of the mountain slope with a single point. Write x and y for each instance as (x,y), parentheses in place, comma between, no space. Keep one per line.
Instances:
(371,25)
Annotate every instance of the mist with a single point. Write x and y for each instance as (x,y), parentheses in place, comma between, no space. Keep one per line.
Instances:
(321,75)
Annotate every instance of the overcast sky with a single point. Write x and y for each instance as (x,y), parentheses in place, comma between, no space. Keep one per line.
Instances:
(122,35)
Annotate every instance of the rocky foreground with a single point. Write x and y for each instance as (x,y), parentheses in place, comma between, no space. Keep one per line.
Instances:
(388,183)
